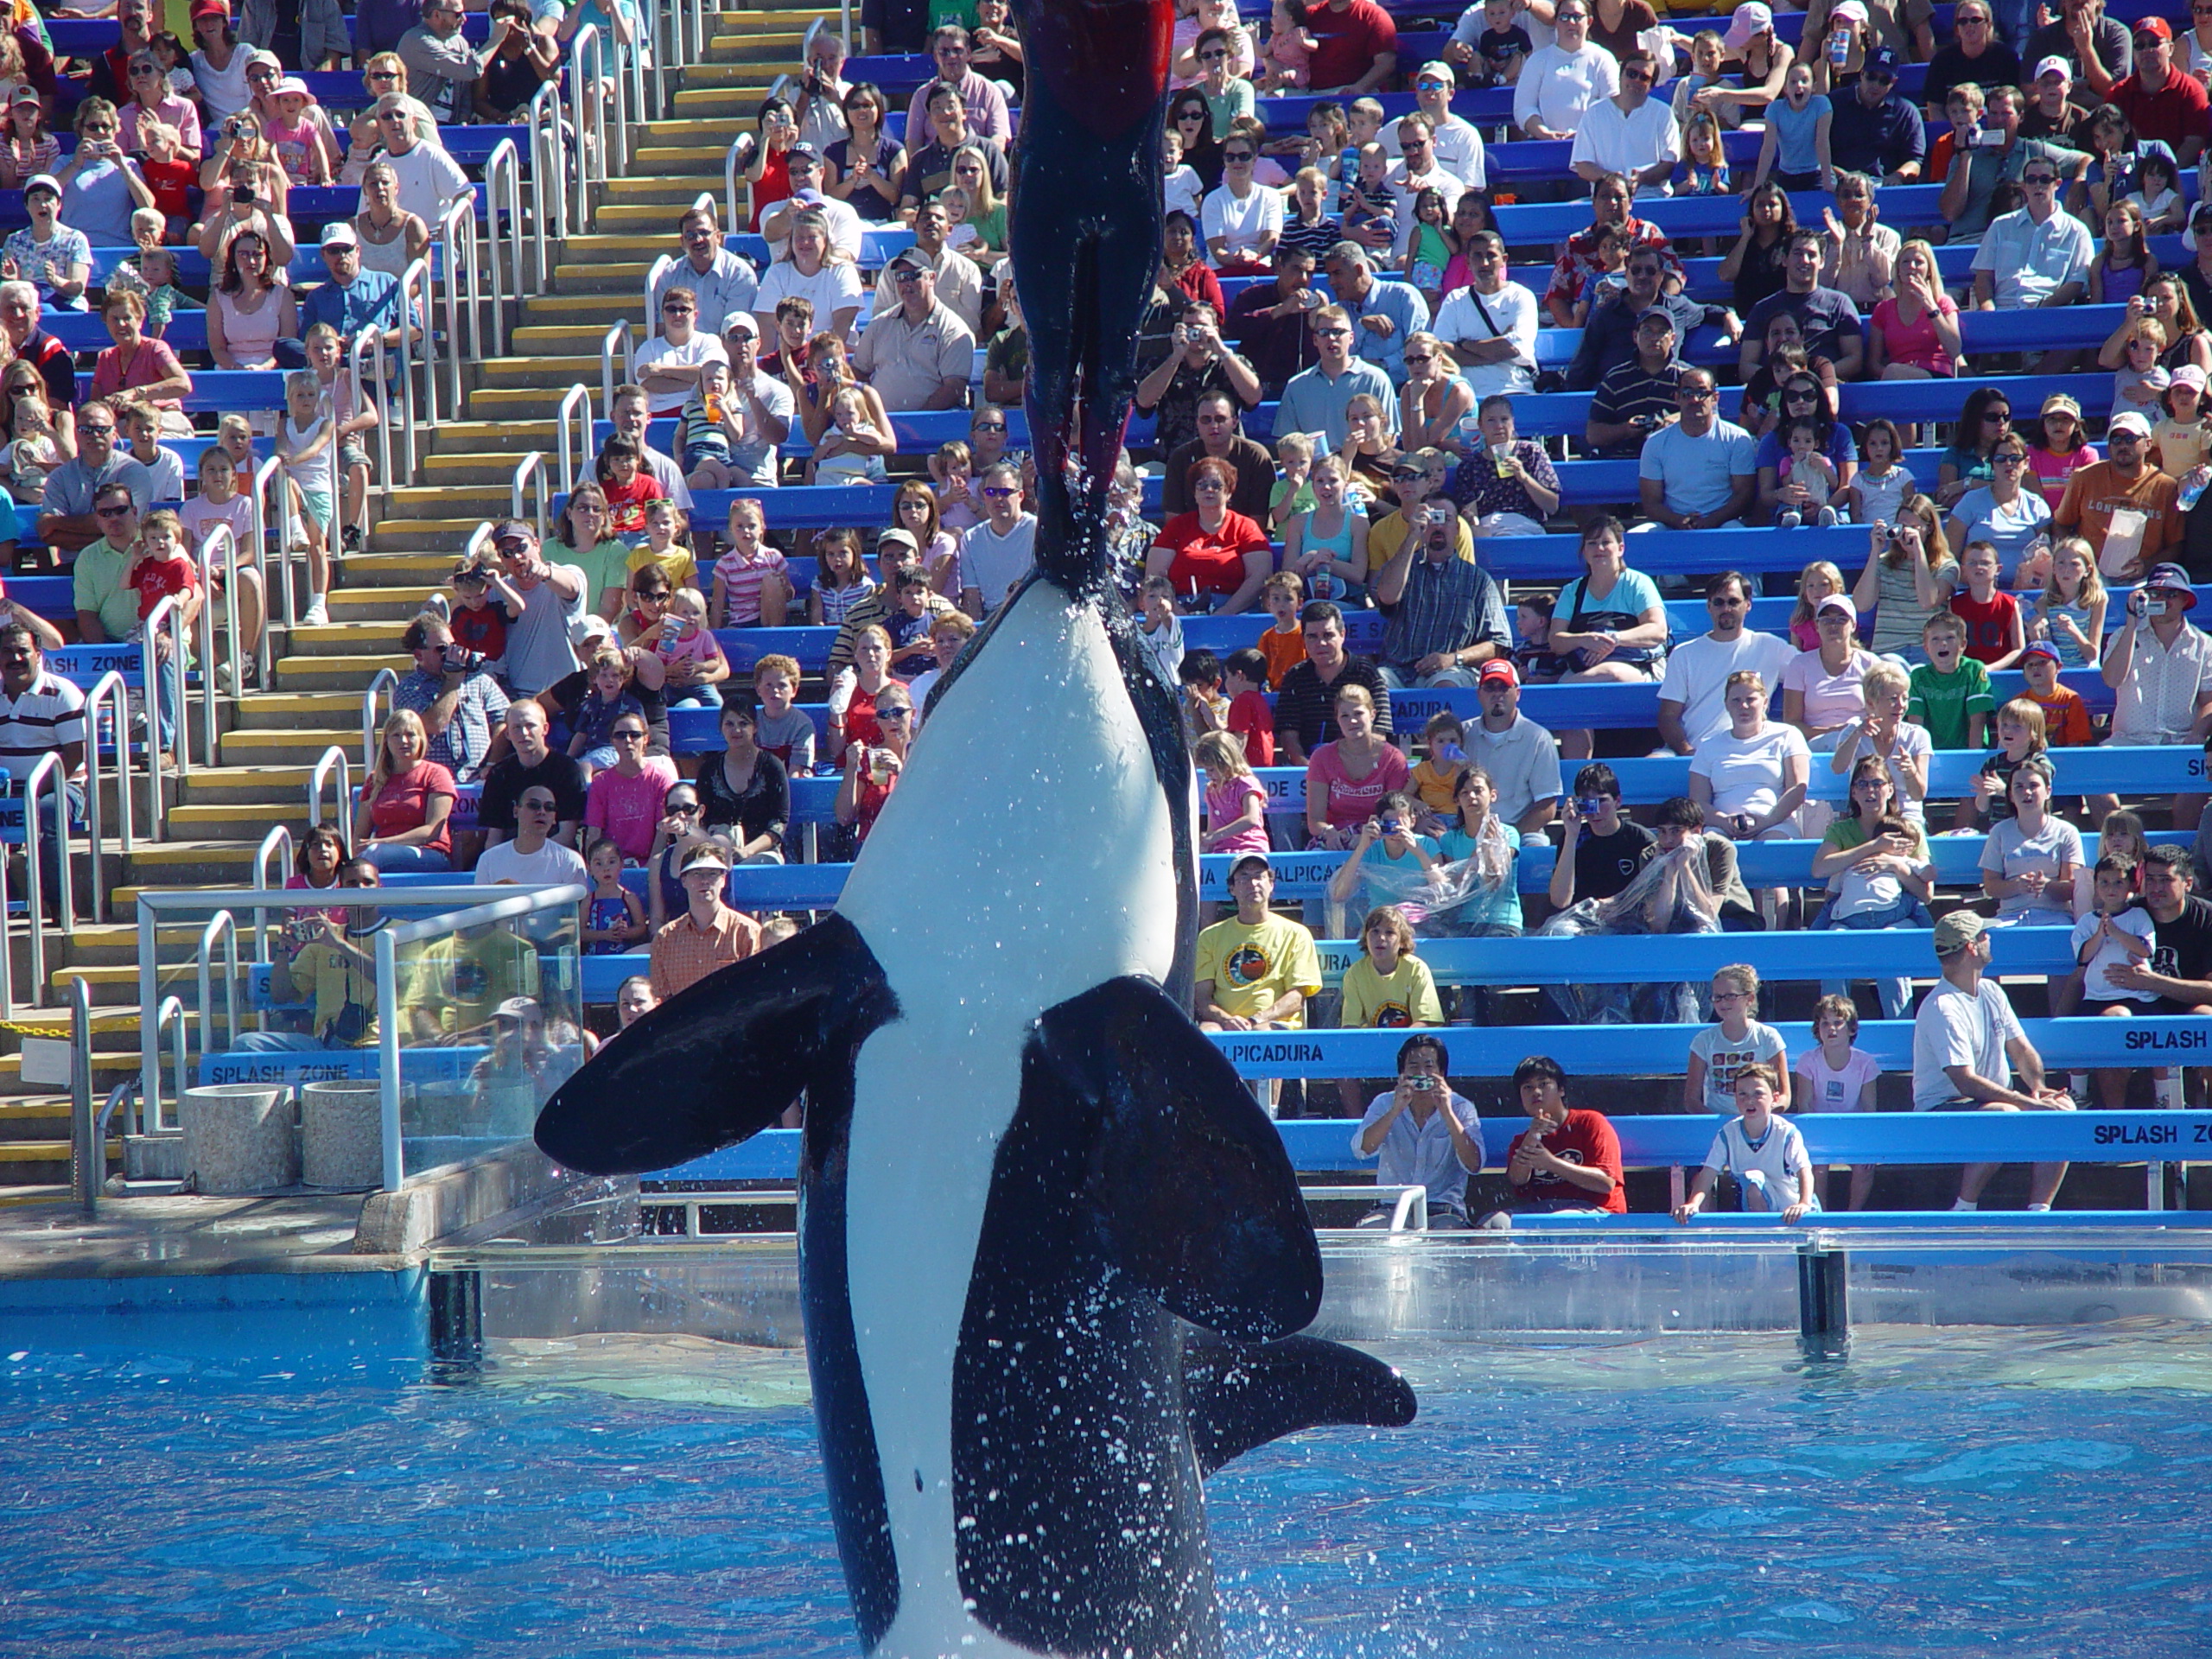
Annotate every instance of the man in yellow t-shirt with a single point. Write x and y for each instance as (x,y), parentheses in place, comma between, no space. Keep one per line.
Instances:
(1256,972)
(1422,476)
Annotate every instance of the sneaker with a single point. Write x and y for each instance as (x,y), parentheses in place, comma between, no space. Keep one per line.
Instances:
(351,540)
(317,615)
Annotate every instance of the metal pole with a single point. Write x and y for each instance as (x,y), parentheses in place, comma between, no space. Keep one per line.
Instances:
(1823,1299)
(87,1154)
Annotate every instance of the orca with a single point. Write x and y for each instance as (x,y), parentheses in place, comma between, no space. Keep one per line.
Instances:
(1053,1256)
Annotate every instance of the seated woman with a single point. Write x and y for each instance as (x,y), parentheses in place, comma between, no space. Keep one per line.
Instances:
(872,769)
(1909,576)
(1507,487)
(1823,690)
(1878,871)
(1475,892)
(627,800)
(2031,861)
(405,803)
(1327,545)
(744,791)
(1784,359)
(1217,557)
(2009,513)
(855,690)
(1751,779)
(140,365)
(1609,624)
(1985,417)
(1804,397)
(1346,780)
(1369,450)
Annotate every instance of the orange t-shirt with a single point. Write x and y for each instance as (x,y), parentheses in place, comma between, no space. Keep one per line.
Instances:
(1284,651)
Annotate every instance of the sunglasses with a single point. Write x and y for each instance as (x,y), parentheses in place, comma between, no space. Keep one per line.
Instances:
(629,737)
(999,491)
(123,511)
(535,806)
(88,430)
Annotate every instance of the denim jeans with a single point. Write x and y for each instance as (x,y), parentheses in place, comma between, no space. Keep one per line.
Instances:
(396,860)
(1895,994)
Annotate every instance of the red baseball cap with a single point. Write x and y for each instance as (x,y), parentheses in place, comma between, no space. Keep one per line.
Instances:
(1500,670)
(2156,26)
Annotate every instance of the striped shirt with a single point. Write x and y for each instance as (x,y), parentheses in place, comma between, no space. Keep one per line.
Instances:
(741,579)
(49,713)
(684,953)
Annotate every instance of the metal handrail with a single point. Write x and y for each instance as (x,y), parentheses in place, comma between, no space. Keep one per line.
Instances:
(368,350)
(585,117)
(221,925)
(531,477)
(549,177)
(730,214)
(335,754)
(169,1017)
(503,165)
(606,381)
(415,284)
(210,736)
(271,471)
(108,691)
(582,423)
(47,773)
(456,235)
(170,614)
(277,840)
(647,309)
(383,680)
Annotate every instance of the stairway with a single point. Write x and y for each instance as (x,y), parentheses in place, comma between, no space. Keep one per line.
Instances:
(273,737)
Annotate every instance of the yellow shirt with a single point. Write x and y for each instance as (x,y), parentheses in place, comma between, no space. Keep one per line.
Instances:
(1385,536)
(1437,787)
(2180,447)
(1408,997)
(1253,968)
(682,570)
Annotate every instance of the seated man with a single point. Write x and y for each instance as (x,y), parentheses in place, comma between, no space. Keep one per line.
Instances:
(530,760)
(668,367)
(1699,472)
(723,285)
(454,691)
(1198,368)
(66,519)
(41,714)
(919,356)
(1422,1134)
(1447,616)
(1255,970)
(2038,255)
(1568,1161)
(632,413)
(708,935)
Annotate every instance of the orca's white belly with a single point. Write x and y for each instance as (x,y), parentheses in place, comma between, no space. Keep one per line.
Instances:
(981,924)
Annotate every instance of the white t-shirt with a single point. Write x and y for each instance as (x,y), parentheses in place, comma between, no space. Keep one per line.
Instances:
(2012,852)
(700,349)
(1746,772)
(1182,191)
(1241,223)
(1913,743)
(1822,1088)
(1828,700)
(1698,670)
(835,287)
(551,865)
(428,179)
(199,516)
(1776,1161)
(991,564)
(1513,309)
(1957,1027)
(2096,986)
(538,648)
(1724,1057)
(1560,86)
(1859,889)
(1455,142)
(1522,762)
(1628,143)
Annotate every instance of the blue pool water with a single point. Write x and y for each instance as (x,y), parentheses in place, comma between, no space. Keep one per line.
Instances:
(1955,1493)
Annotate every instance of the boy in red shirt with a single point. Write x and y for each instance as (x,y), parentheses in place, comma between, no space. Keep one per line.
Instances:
(2065,715)
(1251,721)
(160,569)
(1567,1159)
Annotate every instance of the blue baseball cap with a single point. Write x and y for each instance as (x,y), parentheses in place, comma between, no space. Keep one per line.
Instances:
(1882,63)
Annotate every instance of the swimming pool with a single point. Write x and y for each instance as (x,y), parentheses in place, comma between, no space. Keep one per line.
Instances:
(1966,1491)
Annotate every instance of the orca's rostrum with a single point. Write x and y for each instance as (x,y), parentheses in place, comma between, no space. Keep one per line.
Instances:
(1053,1253)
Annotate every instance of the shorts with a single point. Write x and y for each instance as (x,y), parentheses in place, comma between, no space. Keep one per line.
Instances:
(321,507)
(2136,1006)
(697,453)
(352,455)
(2166,1005)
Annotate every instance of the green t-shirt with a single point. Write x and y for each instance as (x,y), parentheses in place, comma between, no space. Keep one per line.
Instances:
(604,566)
(100,588)
(1942,702)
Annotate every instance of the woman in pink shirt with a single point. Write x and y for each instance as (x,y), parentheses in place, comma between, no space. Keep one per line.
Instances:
(1347,780)
(626,799)
(405,803)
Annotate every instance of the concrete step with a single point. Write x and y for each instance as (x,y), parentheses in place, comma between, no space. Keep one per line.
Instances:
(421,536)
(303,748)
(42,1118)
(402,506)
(420,567)
(378,604)
(233,783)
(286,713)
(668,189)
(703,162)
(332,673)
(687,127)
(482,468)
(734,63)
(242,819)
(476,439)
(603,245)
(116,943)
(176,864)
(577,339)
(110,1067)
(642,216)
(612,277)
(545,376)
(336,639)
(533,404)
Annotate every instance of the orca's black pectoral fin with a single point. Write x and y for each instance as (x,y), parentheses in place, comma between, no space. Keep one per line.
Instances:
(721,1060)
(1189,1174)
(1240,1394)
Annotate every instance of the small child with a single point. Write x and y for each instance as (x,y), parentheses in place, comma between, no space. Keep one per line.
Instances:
(1283,644)
(308,446)
(624,479)
(1995,634)
(2125,262)
(1294,491)
(607,699)
(2183,438)
(2071,613)
(1811,471)
(950,630)
(2065,715)
(1181,190)
(1815,582)
(952,470)
(782,729)
(1503,47)
(479,622)
(160,569)
(687,645)
(1290,47)
(1707,160)
(741,573)
(708,427)
(33,451)
(177,63)
(960,233)
(1877,493)
(219,502)
(2157,202)
(1251,721)
(840,579)
(615,920)
(837,458)
(1720,1051)
(1609,260)
(1436,778)
(168,175)
(1387,988)
(1764,1153)
(140,424)
(1161,633)
(357,413)
(2019,735)
(2138,383)
(1951,691)
(1837,1075)
(1204,709)
(1430,251)
(2116,931)
(1532,641)
(1370,207)
(667,527)
(1237,802)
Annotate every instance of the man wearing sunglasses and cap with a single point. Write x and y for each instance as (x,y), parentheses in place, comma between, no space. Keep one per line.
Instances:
(2163,104)
(2159,666)
(544,604)
(1874,129)
(2125,482)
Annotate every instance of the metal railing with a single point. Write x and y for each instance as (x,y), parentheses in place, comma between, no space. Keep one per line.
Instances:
(269,476)
(108,694)
(702,203)
(502,166)
(221,925)
(456,239)
(575,414)
(548,176)
(47,776)
(417,282)
(87,1134)
(170,615)
(384,681)
(209,728)
(366,367)
(586,121)
(279,841)
(615,332)
(334,756)
(530,481)
(733,210)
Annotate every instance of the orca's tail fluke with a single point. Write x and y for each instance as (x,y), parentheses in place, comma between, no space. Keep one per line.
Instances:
(1240,1394)
(721,1060)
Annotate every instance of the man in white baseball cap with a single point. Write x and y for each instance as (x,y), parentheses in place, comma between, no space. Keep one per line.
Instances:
(2121,498)
(1455,145)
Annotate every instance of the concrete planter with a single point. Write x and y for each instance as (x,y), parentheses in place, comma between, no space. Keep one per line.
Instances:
(341,1136)
(238,1139)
